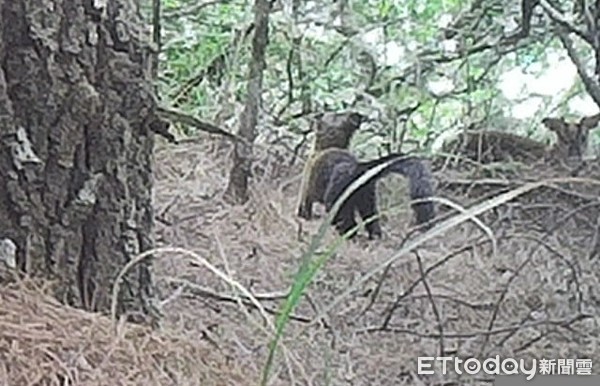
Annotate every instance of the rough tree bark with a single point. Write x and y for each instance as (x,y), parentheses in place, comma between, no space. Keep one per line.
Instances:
(237,189)
(76,103)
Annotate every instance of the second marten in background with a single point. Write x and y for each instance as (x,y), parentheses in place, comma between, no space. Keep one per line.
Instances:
(572,138)
(492,146)
(333,169)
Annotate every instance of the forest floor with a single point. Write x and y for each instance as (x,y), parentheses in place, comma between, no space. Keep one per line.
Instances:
(532,298)
(522,284)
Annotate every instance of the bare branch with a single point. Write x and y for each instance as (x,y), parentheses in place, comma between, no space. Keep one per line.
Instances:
(590,85)
(559,19)
(173,115)
(193,9)
(527,7)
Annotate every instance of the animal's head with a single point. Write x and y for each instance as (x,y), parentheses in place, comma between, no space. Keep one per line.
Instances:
(347,121)
(572,136)
(337,128)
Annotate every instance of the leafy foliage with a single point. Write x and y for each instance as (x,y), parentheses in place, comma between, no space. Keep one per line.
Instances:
(381,56)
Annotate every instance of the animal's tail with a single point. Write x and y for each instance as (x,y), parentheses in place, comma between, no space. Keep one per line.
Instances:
(419,176)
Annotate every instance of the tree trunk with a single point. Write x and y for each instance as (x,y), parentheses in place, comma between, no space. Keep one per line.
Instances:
(237,189)
(76,163)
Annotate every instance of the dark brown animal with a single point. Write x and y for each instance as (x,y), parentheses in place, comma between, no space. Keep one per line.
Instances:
(334,170)
(331,170)
(331,130)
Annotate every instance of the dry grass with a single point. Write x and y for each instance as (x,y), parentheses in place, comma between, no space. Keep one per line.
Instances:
(44,343)
(536,297)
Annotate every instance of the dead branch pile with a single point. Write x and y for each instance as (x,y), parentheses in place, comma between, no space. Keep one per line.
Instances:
(45,343)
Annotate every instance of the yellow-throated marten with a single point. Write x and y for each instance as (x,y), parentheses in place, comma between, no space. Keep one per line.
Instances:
(331,170)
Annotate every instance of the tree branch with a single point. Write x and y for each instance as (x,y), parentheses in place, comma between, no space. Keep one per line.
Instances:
(590,85)
(559,19)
